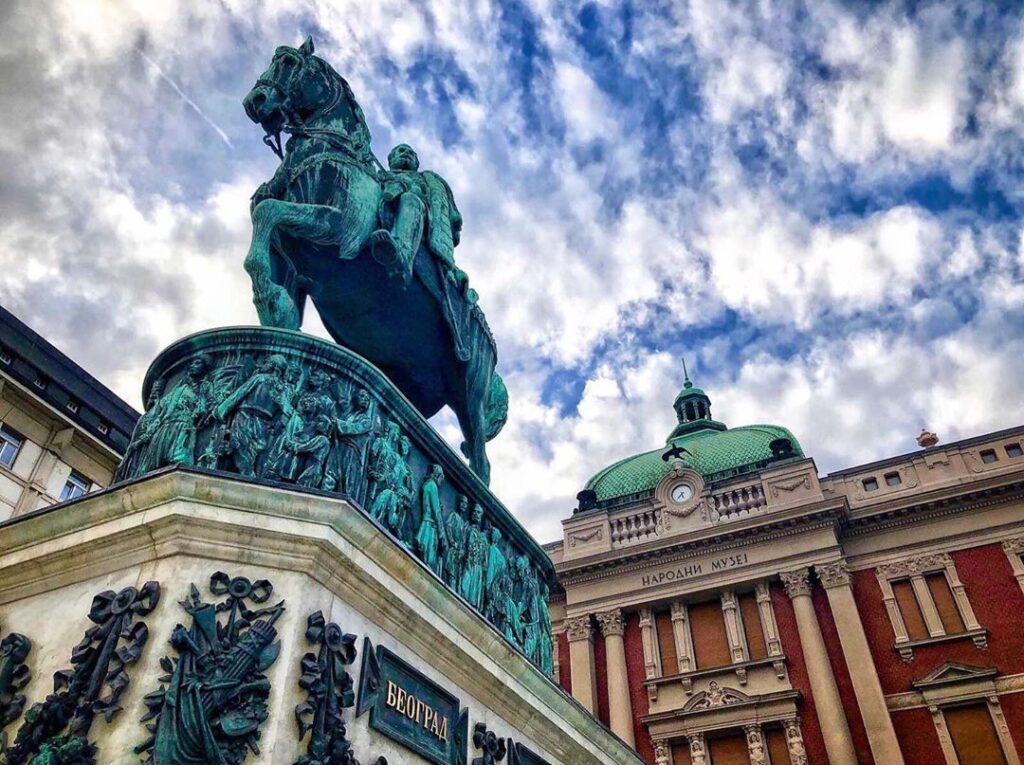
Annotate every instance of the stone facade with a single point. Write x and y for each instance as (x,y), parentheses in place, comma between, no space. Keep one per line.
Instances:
(62,433)
(866,616)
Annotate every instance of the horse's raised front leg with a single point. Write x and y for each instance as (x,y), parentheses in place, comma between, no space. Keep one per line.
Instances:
(318,224)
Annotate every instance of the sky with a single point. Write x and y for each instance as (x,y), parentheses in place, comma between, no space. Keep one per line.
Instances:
(817,204)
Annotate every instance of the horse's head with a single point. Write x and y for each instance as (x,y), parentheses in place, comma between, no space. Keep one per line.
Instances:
(294,87)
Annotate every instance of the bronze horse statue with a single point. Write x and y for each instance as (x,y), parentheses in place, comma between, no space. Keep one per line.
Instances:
(322,229)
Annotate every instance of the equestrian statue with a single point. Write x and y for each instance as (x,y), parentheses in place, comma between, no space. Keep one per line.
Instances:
(371,246)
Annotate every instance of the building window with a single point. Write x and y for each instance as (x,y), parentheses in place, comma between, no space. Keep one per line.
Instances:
(753,631)
(1013,450)
(77,485)
(893,479)
(666,643)
(910,610)
(710,639)
(681,754)
(1014,549)
(10,444)
(988,456)
(974,735)
(870,484)
(926,600)
(729,750)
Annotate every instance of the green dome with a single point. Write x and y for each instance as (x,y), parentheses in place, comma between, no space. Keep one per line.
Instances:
(711,449)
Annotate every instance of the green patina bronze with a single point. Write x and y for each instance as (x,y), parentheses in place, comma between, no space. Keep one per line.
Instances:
(701,443)
(55,731)
(14,676)
(410,708)
(215,696)
(373,247)
(285,407)
(329,691)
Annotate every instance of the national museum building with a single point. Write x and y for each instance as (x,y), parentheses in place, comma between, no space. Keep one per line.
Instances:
(723,604)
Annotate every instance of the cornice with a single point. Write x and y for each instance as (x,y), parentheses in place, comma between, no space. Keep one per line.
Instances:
(951,500)
(785,523)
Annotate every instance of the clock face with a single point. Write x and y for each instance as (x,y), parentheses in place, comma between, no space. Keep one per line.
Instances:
(681,492)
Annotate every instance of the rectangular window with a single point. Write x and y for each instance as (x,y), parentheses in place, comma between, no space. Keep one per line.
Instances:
(681,754)
(893,479)
(10,443)
(942,595)
(666,643)
(1014,450)
(778,749)
(729,750)
(870,484)
(974,735)
(77,486)
(752,628)
(989,456)
(913,619)
(710,640)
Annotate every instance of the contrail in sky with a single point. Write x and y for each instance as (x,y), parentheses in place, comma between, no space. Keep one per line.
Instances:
(186,99)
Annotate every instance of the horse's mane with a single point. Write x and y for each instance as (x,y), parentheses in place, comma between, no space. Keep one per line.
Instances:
(339,82)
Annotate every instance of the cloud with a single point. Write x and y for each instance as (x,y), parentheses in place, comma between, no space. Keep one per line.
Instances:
(820,208)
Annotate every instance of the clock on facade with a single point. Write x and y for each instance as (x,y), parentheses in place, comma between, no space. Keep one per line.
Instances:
(681,492)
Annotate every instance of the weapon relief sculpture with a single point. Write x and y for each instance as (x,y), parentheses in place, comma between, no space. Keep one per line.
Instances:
(14,676)
(214,694)
(329,691)
(56,730)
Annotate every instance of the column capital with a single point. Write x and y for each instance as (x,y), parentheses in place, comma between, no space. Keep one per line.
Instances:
(834,574)
(796,582)
(579,628)
(611,622)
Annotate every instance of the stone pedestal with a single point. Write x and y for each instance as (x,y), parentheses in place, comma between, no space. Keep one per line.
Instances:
(290,555)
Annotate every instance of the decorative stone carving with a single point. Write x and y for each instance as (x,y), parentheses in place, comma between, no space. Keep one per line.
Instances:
(289,408)
(611,622)
(911,566)
(755,745)
(715,696)
(796,582)
(791,485)
(661,752)
(492,748)
(94,685)
(578,628)
(329,691)
(795,742)
(1014,545)
(698,752)
(581,537)
(216,695)
(14,676)
(835,574)
(389,237)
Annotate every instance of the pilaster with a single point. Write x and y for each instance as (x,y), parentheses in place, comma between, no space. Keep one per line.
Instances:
(581,661)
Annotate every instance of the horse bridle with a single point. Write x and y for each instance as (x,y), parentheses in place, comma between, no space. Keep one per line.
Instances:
(274,141)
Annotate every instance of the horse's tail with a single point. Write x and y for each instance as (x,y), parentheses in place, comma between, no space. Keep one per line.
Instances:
(496,407)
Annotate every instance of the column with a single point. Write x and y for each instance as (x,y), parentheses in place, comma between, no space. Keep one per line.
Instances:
(795,742)
(620,710)
(698,754)
(835,577)
(755,745)
(834,727)
(581,661)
